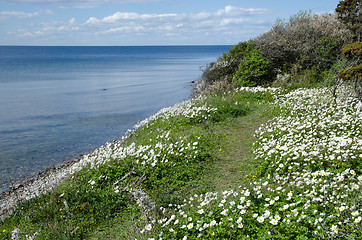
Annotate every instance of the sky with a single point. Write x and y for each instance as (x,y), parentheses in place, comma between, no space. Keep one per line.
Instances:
(144,22)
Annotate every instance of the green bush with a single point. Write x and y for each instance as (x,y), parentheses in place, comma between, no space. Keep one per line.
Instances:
(352,75)
(328,50)
(349,12)
(308,78)
(352,72)
(253,70)
(225,67)
(237,52)
(304,41)
(305,45)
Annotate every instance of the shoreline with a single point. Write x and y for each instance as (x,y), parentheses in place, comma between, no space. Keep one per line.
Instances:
(41,183)
(47,180)
(227,184)
(47,130)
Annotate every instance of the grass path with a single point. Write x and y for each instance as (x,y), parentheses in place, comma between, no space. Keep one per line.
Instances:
(234,164)
(204,150)
(205,156)
(309,181)
(235,159)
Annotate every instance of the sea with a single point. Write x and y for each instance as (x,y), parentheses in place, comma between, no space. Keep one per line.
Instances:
(58,103)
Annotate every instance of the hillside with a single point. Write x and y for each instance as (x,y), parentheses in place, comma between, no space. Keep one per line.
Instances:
(190,171)
(270,147)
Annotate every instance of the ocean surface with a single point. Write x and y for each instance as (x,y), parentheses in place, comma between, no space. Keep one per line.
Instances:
(57,103)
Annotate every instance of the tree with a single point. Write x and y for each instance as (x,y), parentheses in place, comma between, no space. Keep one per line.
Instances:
(305,41)
(253,70)
(225,67)
(350,13)
(353,74)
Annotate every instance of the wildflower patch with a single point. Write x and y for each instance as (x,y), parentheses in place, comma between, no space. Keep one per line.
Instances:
(310,159)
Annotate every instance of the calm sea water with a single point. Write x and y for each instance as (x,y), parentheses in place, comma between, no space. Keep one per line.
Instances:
(59,102)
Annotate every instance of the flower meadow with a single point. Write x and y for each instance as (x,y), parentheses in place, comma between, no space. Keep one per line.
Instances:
(308,184)
(310,180)
(155,164)
(194,110)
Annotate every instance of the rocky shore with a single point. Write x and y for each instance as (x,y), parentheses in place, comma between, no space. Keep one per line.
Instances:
(48,180)
(40,184)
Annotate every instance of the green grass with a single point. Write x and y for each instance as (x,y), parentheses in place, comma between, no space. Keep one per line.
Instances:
(231,136)
(87,206)
(208,146)
(304,176)
(235,163)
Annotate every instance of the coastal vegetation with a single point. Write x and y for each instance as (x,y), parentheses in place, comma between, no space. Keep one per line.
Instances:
(270,147)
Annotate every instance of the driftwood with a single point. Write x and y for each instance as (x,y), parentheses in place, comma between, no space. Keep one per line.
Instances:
(132,172)
(76,229)
(141,197)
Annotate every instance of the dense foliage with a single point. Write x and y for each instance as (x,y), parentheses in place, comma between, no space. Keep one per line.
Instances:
(253,70)
(299,51)
(350,12)
(226,66)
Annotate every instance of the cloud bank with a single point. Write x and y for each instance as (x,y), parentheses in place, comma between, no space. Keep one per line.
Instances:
(224,24)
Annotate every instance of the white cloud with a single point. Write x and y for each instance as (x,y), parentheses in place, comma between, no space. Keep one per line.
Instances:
(92,20)
(119,15)
(22,15)
(228,15)
(72,21)
(224,24)
(235,11)
(131,16)
(125,29)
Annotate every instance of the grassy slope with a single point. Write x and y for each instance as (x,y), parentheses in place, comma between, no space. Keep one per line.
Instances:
(233,138)
(211,150)
(233,167)
(309,182)
(95,210)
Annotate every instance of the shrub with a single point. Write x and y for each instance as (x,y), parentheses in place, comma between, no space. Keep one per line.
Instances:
(253,70)
(327,52)
(353,74)
(308,78)
(224,68)
(304,44)
(304,41)
(353,50)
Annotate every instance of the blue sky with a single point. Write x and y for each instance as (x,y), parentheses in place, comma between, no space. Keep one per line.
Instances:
(144,22)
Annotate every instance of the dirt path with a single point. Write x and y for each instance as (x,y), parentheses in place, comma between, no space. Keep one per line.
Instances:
(235,163)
